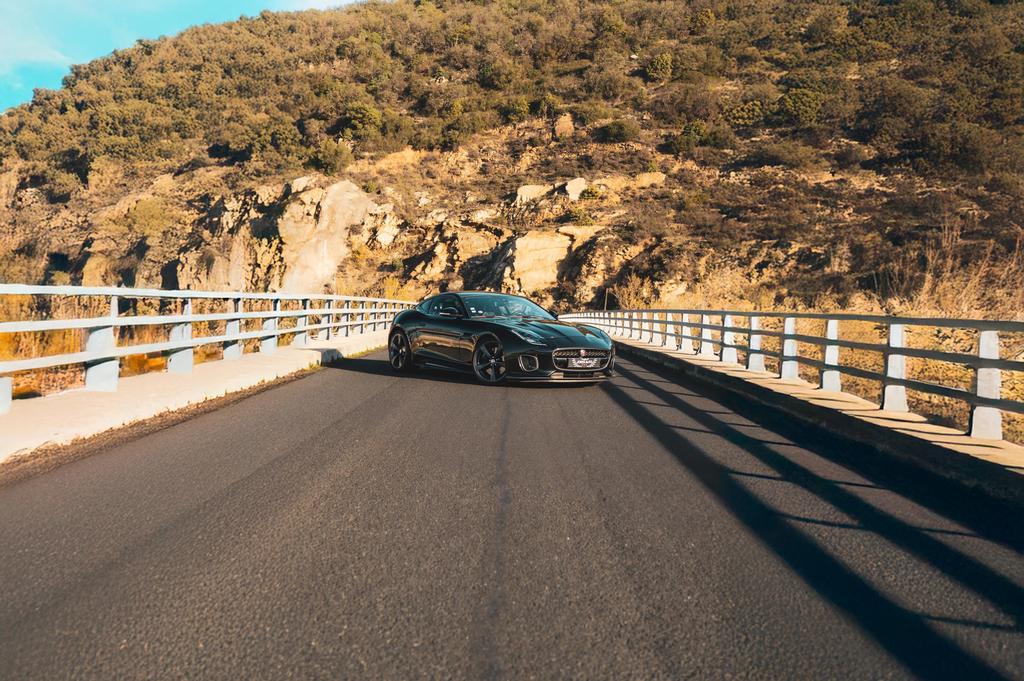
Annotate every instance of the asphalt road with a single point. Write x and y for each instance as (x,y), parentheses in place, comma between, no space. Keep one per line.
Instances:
(355,524)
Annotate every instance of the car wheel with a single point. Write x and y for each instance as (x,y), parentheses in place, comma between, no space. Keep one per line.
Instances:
(399,352)
(489,361)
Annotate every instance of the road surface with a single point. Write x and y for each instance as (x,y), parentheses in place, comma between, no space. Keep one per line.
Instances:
(356,524)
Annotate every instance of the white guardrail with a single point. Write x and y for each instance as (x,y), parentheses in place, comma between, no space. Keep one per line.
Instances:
(100,354)
(716,334)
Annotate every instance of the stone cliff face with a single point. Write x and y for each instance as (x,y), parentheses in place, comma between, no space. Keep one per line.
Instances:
(497,215)
(292,238)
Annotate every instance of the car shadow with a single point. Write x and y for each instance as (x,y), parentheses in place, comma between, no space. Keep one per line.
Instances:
(380,367)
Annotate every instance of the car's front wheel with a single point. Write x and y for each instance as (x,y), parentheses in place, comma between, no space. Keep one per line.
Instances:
(489,361)
(399,352)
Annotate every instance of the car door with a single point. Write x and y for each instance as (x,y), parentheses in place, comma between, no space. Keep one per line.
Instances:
(450,332)
(423,337)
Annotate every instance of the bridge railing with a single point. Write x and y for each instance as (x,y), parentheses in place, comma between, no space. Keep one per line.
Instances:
(100,353)
(724,334)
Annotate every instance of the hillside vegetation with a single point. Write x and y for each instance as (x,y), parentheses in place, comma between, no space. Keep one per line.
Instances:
(813,151)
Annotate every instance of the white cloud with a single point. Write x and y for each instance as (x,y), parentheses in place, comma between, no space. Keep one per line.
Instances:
(21,42)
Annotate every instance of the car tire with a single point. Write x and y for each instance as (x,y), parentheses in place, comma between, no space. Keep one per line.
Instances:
(400,352)
(489,361)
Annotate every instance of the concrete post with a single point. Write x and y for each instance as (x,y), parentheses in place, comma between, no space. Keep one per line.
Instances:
(6,394)
(755,358)
(658,329)
(269,343)
(894,397)
(830,379)
(987,422)
(788,368)
(180,361)
(345,329)
(707,348)
(685,344)
(301,337)
(650,322)
(102,374)
(728,341)
(668,340)
(327,319)
(233,348)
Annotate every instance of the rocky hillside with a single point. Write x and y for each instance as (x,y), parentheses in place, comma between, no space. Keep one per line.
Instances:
(748,152)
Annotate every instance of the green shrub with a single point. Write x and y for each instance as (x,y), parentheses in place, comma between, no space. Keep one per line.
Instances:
(607,83)
(689,138)
(578,215)
(60,185)
(360,119)
(331,157)
(800,107)
(586,113)
(620,130)
(749,114)
(659,68)
(546,106)
(497,74)
(787,153)
(515,109)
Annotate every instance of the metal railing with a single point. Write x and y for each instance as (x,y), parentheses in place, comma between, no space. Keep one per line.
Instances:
(717,334)
(323,315)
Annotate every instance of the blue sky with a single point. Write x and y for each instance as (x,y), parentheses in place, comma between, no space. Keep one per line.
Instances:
(40,39)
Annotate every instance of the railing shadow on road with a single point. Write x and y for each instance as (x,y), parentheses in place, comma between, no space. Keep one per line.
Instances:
(905,634)
(380,367)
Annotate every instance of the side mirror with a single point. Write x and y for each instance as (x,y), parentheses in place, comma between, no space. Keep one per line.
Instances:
(450,312)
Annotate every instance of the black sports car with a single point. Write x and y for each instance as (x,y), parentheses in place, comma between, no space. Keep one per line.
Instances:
(498,337)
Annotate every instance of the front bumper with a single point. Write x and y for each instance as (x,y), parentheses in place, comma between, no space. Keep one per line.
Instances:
(548,371)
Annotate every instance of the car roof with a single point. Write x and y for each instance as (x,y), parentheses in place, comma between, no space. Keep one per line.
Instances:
(474,293)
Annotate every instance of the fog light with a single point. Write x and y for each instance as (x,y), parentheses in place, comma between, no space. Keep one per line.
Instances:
(528,362)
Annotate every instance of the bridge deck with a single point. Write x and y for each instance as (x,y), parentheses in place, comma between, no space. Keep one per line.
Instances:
(358,524)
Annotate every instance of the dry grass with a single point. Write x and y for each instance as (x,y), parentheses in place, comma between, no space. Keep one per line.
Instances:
(939,283)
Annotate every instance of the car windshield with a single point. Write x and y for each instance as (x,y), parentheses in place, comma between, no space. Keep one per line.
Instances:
(497,305)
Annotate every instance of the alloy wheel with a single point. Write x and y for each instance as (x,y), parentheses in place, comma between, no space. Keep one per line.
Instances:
(489,361)
(398,351)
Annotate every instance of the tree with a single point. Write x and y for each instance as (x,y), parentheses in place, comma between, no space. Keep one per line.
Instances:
(659,69)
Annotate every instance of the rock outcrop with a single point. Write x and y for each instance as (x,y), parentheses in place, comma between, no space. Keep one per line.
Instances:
(575,187)
(285,239)
(532,192)
(564,127)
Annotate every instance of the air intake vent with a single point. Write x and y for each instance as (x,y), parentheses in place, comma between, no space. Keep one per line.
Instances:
(528,362)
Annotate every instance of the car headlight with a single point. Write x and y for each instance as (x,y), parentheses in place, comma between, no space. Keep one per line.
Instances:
(529,336)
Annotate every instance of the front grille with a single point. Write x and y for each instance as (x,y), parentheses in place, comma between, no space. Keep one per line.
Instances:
(562,356)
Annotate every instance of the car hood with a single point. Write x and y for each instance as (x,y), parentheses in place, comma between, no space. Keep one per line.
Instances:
(556,332)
